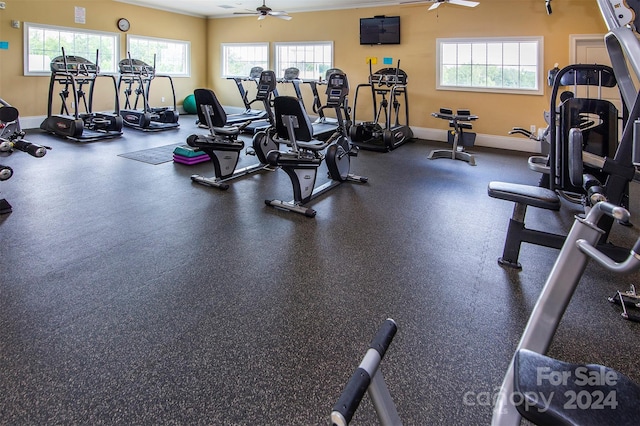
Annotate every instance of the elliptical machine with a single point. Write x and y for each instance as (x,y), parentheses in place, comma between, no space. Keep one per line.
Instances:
(391,82)
(11,139)
(301,163)
(248,114)
(73,73)
(136,76)
(222,144)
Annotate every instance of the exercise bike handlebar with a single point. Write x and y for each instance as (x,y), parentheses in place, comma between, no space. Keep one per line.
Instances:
(318,145)
(356,387)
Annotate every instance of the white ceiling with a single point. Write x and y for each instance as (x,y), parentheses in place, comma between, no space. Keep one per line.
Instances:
(226,8)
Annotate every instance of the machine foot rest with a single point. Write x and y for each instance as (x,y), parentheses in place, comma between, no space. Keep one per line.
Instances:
(5,207)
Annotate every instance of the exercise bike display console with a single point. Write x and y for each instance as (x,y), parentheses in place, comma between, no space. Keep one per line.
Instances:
(72,74)
(460,122)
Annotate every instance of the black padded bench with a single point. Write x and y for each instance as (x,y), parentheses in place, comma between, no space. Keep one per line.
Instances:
(517,233)
(553,392)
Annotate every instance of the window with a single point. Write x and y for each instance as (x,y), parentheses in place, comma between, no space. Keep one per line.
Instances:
(510,65)
(171,57)
(44,43)
(313,59)
(239,58)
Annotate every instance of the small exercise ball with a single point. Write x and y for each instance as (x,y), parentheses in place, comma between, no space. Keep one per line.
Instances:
(189,104)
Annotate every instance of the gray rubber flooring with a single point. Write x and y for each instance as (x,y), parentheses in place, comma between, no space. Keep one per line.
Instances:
(130,295)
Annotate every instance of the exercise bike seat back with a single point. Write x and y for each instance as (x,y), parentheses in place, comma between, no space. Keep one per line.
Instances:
(292,106)
(217,115)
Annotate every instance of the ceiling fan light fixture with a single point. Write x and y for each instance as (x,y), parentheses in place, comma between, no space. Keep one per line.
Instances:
(264,11)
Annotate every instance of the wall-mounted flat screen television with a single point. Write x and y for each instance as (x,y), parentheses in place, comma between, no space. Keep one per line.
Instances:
(380,30)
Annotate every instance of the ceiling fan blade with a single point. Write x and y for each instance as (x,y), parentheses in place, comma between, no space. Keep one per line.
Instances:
(466,3)
(434,6)
(261,17)
(285,17)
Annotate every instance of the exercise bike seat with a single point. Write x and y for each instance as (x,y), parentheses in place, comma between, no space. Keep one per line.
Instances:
(553,392)
(8,114)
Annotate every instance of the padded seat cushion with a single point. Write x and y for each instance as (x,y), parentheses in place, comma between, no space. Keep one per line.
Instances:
(560,393)
(8,114)
(526,194)
(462,124)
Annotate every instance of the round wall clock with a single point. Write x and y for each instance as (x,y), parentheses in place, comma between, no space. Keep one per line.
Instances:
(123,24)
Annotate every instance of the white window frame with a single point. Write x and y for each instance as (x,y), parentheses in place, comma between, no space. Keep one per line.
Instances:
(70,49)
(539,41)
(163,68)
(282,63)
(245,51)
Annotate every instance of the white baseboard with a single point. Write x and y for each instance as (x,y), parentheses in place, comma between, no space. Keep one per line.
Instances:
(489,141)
(32,122)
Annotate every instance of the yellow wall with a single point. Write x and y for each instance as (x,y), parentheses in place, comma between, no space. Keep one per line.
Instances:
(29,94)
(419,30)
(498,112)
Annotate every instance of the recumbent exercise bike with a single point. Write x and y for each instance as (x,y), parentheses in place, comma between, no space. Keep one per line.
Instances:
(222,144)
(302,161)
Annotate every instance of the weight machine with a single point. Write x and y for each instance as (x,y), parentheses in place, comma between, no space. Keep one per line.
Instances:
(12,139)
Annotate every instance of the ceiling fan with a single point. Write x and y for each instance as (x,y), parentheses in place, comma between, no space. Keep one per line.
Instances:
(437,3)
(264,11)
